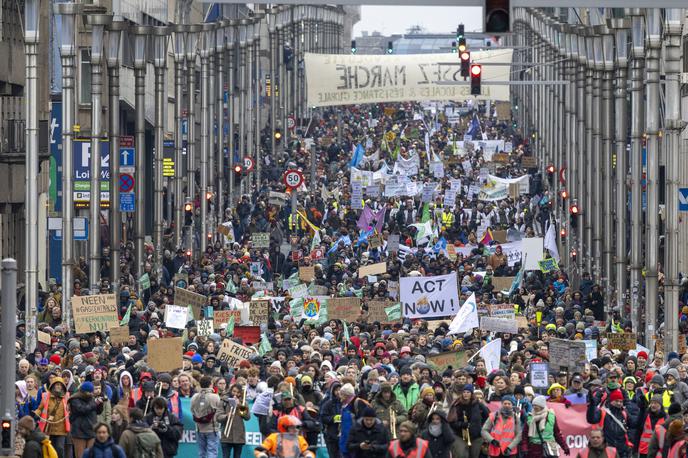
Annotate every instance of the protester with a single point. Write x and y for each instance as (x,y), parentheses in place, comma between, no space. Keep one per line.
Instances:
(168,427)
(233,436)
(206,407)
(408,445)
(542,432)
(368,437)
(597,448)
(439,435)
(104,446)
(138,440)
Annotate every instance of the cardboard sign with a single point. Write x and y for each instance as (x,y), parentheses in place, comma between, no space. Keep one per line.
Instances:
(451,359)
(183,277)
(503,111)
(343,308)
(260,239)
(393,242)
(502,283)
(569,354)
(258,312)
(375,241)
(501,158)
(499,236)
(222,229)
(249,335)
(307,273)
(372,269)
(223,316)
(489,323)
(232,353)
(623,341)
(186,297)
(528,162)
(165,355)
(176,316)
(119,335)
(44,337)
(376,311)
(522,322)
(205,327)
(94,313)
(514,190)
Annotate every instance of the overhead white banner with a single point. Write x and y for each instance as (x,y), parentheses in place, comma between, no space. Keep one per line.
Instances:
(344,79)
(427,297)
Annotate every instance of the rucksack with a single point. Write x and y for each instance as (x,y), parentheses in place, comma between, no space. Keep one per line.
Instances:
(201,409)
(48,449)
(146,445)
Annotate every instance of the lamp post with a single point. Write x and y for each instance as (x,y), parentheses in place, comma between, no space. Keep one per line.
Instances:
(243,33)
(141,33)
(209,196)
(31,40)
(220,110)
(257,24)
(160,40)
(98,22)
(192,36)
(67,12)
(280,68)
(179,57)
(231,86)
(207,42)
(272,29)
(114,40)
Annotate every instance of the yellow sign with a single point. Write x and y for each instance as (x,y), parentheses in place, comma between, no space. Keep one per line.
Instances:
(167,167)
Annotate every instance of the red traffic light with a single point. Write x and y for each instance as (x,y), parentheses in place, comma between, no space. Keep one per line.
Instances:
(550,169)
(476,69)
(465,55)
(208,195)
(574,209)
(6,424)
(562,232)
(188,206)
(188,253)
(564,194)
(237,169)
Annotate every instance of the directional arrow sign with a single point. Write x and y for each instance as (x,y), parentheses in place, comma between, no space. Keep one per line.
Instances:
(683,199)
(126,157)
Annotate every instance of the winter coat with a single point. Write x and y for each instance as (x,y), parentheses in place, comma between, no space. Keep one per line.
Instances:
(104,412)
(107,449)
(33,447)
(462,416)
(330,408)
(117,430)
(82,415)
(383,407)
(419,414)
(237,433)
(533,450)
(440,446)
(409,398)
(614,435)
(169,429)
(215,403)
(128,439)
(377,437)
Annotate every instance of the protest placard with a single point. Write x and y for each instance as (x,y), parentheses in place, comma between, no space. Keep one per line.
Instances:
(205,327)
(44,337)
(232,353)
(427,297)
(248,334)
(376,311)
(623,341)
(502,311)
(278,198)
(490,323)
(144,282)
(502,283)
(260,239)
(94,313)
(522,322)
(393,312)
(186,297)
(223,316)
(393,242)
(499,236)
(539,375)
(181,278)
(500,157)
(258,311)
(528,162)
(548,265)
(375,241)
(317,254)
(450,359)
(222,229)
(569,354)
(393,289)
(176,316)
(165,355)
(297,291)
(307,273)
(318,290)
(119,335)
(372,269)
(343,308)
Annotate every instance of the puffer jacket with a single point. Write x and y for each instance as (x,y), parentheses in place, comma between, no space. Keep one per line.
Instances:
(107,449)
(83,415)
(169,429)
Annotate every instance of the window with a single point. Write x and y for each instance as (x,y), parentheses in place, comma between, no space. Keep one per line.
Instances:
(85,80)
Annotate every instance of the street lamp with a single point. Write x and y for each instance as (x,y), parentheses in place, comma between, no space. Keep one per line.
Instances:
(206,45)
(113,45)
(180,31)
(257,26)
(192,36)
(243,34)
(220,51)
(31,41)
(141,33)
(67,12)
(272,30)
(98,22)
(231,54)
(160,39)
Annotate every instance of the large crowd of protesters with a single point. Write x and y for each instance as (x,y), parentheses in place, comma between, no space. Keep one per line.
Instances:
(357,387)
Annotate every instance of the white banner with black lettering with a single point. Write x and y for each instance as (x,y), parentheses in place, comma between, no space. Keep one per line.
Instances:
(427,297)
(344,79)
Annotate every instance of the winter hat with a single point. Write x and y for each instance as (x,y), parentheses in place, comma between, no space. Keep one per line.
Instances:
(405,350)
(658,379)
(656,398)
(674,373)
(368,412)
(197,359)
(518,389)
(540,401)
(642,354)
(86,387)
(674,408)
(427,391)
(509,398)
(468,387)
(347,390)
(55,359)
(27,423)
(406,370)
(616,395)
(409,425)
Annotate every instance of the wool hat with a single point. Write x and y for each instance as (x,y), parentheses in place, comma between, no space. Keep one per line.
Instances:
(197,359)
(427,391)
(642,354)
(86,387)
(656,398)
(410,426)
(509,398)
(468,387)
(658,379)
(27,423)
(674,408)
(406,370)
(55,359)
(616,395)
(368,412)
(540,401)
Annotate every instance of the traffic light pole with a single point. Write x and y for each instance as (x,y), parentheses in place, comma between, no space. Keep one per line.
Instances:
(205,131)
(179,57)
(242,94)
(231,107)
(8,337)
(272,17)
(606,167)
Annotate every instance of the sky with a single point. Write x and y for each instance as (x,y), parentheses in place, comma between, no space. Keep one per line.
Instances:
(390,20)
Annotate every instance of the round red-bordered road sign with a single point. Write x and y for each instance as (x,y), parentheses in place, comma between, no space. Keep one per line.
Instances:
(293,178)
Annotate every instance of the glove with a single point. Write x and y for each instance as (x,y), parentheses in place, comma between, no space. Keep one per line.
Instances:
(337,418)
(495,442)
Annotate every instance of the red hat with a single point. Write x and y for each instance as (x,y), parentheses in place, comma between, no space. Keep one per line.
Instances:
(643,354)
(649,376)
(55,359)
(145,375)
(244,364)
(616,395)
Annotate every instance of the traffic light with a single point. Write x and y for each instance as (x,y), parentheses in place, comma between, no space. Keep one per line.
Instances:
(453,48)
(497,18)
(564,194)
(353,47)
(459,32)
(462,44)
(208,196)
(574,210)
(465,63)
(237,172)
(550,173)
(574,253)
(288,56)
(278,135)
(188,214)
(390,48)
(6,434)
(563,232)
(476,72)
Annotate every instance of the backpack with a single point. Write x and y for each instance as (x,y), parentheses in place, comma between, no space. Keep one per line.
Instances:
(48,449)
(146,445)
(202,410)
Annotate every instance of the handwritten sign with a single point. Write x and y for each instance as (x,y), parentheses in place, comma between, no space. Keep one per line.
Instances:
(489,323)
(119,335)
(223,316)
(502,283)
(258,312)
(570,354)
(205,327)
(451,359)
(307,273)
(261,239)
(623,341)
(94,313)
(376,310)
(176,316)
(165,355)
(186,297)
(372,269)
(232,353)
(44,337)
(343,308)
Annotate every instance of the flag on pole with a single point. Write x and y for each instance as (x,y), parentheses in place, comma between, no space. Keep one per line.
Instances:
(551,242)
(424,230)
(358,155)
(492,353)
(230,326)
(487,237)
(467,318)
(264,346)
(316,240)
(346,337)
(474,127)
(126,317)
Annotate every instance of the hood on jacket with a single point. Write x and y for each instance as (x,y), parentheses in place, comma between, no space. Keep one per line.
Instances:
(125,374)
(58,380)
(384,387)
(21,386)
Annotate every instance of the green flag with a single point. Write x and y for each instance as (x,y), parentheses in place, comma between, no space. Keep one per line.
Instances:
(230,326)
(316,240)
(231,287)
(393,312)
(425,217)
(125,318)
(264,346)
(358,293)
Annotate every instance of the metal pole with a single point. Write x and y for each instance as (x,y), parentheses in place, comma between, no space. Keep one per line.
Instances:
(212,82)
(8,337)
(141,34)
(114,44)
(620,115)
(257,75)
(231,85)
(192,40)
(220,110)
(179,58)
(244,24)
(654,43)
(272,46)
(250,108)
(582,147)
(68,11)
(674,125)
(160,40)
(31,41)
(637,127)
(208,29)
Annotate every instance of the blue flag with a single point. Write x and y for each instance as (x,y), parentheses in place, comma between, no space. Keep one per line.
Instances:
(359,153)
(363,236)
(440,246)
(474,128)
(343,239)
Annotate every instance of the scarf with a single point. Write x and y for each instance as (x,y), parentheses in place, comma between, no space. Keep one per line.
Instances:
(539,421)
